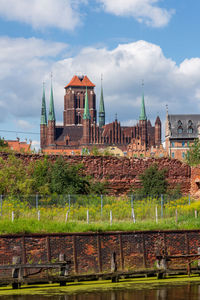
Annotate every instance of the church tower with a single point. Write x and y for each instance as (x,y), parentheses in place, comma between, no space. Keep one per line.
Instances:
(86,121)
(51,121)
(43,122)
(101,109)
(158,131)
(143,123)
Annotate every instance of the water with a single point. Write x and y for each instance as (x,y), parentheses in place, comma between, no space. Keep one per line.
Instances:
(184,292)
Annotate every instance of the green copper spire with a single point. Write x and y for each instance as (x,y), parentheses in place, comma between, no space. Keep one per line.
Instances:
(51,107)
(143,116)
(43,111)
(101,109)
(86,114)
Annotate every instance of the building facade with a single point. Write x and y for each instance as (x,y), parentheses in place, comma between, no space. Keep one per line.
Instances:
(80,129)
(180,133)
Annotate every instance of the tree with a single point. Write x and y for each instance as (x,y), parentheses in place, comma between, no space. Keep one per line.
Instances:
(193,154)
(153,181)
(3,143)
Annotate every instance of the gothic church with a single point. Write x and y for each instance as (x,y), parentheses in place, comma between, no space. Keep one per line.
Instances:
(80,129)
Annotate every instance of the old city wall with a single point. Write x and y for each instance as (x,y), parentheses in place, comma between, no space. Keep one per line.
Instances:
(91,252)
(122,174)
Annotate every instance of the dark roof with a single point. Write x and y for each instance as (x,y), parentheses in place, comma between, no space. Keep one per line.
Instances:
(185,122)
(75,133)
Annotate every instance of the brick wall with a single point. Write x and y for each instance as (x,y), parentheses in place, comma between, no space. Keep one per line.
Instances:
(91,252)
(123,173)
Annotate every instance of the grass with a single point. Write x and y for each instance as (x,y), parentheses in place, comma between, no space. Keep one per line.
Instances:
(53,218)
(23,226)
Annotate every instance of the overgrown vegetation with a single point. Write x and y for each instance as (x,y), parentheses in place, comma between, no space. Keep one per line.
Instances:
(45,177)
(153,181)
(193,154)
(177,214)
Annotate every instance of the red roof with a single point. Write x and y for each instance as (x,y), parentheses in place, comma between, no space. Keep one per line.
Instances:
(80,81)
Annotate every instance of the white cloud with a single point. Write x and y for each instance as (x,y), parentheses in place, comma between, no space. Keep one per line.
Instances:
(26,63)
(43,13)
(144,11)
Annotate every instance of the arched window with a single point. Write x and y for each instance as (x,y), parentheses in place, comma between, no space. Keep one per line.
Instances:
(190,130)
(179,123)
(180,129)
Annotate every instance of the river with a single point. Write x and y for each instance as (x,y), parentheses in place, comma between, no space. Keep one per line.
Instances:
(188,291)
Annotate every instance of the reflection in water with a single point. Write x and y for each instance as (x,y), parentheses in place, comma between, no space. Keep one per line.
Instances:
(185,292)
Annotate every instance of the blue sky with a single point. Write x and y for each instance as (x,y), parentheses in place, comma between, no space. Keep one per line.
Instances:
(125,40)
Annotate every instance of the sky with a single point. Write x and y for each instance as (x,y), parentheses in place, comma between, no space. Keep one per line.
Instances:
(127,41)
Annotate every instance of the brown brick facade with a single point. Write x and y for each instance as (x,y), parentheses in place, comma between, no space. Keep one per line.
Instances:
(91,252)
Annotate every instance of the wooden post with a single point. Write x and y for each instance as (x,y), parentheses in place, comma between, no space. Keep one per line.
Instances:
(99,252)
(67,215)
(156,214)
(13,216)
(48,248)
(121,251)
(133,215)
(110,217)
(16,272)
(64,268)
(75,255)
(114,267)
(144,252)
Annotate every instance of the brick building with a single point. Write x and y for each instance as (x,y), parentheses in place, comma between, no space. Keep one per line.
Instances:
(80,129)
(180,133)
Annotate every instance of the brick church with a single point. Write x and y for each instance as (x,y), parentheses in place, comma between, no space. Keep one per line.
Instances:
(81,129)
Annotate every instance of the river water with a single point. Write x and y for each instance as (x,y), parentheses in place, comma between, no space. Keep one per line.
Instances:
(185,292)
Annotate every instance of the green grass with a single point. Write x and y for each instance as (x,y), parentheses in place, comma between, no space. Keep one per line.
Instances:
(22,226)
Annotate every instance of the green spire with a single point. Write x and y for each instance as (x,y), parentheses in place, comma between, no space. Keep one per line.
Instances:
(86,114)
(143,116)
(51,107)
(43,111)
(101,109)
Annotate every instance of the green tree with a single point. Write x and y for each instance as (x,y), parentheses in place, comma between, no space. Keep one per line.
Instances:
(193,154)
(153,181)
(3,143)
(65,178)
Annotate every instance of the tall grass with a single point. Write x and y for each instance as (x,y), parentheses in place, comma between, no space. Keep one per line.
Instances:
(53,216)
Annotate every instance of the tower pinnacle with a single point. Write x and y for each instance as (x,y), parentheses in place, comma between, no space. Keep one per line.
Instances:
(51,116)
(86,114)
(101,108)
(43,120)
(143,116)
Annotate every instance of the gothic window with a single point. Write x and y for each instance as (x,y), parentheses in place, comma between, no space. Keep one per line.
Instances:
(179,123)
(173,155)
(172,144)
(189,123)
(183,154)
(183,144)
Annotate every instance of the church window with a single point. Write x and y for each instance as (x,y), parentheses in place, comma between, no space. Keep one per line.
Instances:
(172,144)
(189,123)
(183,154)
(179,123)
(188,144)
(183,144)
(172,154)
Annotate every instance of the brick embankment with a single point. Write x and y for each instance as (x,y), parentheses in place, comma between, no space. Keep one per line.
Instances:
(91,252)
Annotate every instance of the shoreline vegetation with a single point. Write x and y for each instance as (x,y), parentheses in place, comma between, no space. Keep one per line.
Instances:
(100,286)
